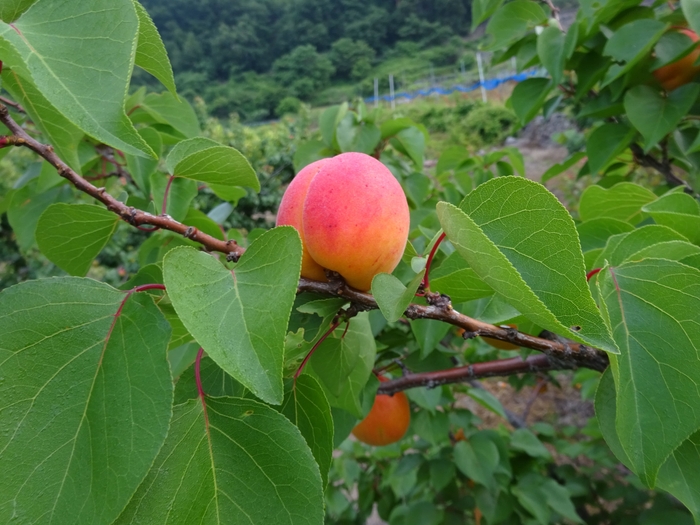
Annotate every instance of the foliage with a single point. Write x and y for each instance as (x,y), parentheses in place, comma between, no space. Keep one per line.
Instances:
(111,412)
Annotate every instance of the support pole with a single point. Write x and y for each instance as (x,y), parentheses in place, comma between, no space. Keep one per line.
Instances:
(481,76)
(376,92)
(391,91)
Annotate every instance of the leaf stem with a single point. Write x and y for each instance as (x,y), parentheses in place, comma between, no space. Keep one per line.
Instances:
(426,282)
(333,326)
(197,375)
(590,274)
(164,208)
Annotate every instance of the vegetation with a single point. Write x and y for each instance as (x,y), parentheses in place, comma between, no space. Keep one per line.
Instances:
(179,366)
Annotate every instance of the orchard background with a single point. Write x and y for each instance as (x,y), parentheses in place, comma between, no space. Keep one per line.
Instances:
(152,321)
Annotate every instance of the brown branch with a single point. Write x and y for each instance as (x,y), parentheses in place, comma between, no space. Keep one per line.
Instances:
(662,166)
(129,214)
(555,12)
(8,102)
(558,353)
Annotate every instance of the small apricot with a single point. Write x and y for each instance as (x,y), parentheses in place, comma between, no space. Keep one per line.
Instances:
(683,71)
(386,422)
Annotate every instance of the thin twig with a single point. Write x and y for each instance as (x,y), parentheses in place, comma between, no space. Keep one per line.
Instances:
(133,216)
(664,167)
(13,104)
(555,12)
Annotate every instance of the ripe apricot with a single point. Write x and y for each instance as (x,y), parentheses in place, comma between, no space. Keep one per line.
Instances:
(680,72)
(352,216)
(501,345)
(386,422)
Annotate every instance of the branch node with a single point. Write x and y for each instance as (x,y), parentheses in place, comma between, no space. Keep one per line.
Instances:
(190,232)
(232,257)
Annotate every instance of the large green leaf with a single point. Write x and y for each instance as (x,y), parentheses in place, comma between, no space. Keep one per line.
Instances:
(150,52)
(513,20)
(11,9)
(620,247)
(630,44)
(186,148)
(680,251)
(165,108)
(86,399)
(218,165)
(623,201)
(529,96)
(652,306)
(595,232)
(60,132)
(523,243)
(65,47)
(354,356)
(71,235)
(551,48)
(482,9)
(656,115)
(691,10)
(678,211)
(306,406)
(240,316)
(230,461)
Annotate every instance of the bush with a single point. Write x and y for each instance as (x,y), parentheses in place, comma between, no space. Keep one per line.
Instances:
(288,105)
(488,124)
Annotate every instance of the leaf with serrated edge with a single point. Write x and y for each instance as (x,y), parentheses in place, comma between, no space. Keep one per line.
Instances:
(50,37)
(85,400)
(240,316)
(72,235)
(230,461)
(678,211)
(623,201)
(306,406)
(151,55)
(652,306)
(219,165)
(624,245)
(523,243)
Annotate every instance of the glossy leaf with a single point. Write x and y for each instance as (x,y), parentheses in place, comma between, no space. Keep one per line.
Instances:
(237,315)
(50,37)
(678,211)
(72,235)
(543,277)
(606,143)
(228,461)
(150,51)
(218,165)
(86,399)
(306,406)
(651,305)
(623,201)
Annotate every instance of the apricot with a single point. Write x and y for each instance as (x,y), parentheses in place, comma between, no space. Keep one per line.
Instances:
(352,216)
(501,345)
(680,72)
(386,422)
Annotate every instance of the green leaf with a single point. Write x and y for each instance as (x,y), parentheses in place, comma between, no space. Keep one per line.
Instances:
(185,148)
(357,347)
(671,47)
(524,440)
(72,235)
(392,296)
(455,278)
(487,400)
(25,209)
(215,382)
(141,168)
(531,496)
(595,233)
(512,21)
(354,136)
(477,458)
(180,196)
(545,277)
(86,399)
(691,10)
(10,10)
(482,9)
(237,315)
(631,43)
(165,108)
(656,115)
(559,499)
(552,51)
(620,247)
(306,406)
(678,211)
(651,305)
(623,201)
(559,168)
(60,132)
(605,143)
(218,165)
(428,334)
(606,413)
(411,142)
(199,220)
(681,251)
(65,48)
(151,55)
(310,151)
(328,122)
(229,461)
(529,96)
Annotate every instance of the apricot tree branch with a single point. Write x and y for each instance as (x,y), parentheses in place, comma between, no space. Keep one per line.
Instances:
(664,167)
(555,12)
(8,102)
(558,353)
(133,216)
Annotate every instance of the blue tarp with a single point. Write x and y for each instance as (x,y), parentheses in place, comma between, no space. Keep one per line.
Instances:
(489,85)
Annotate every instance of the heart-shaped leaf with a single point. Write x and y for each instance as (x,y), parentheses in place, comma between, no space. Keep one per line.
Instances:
(239,316)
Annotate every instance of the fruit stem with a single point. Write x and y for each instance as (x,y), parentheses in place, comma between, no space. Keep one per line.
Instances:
(426,282)
(592,273)
(197,376)
(333,326)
